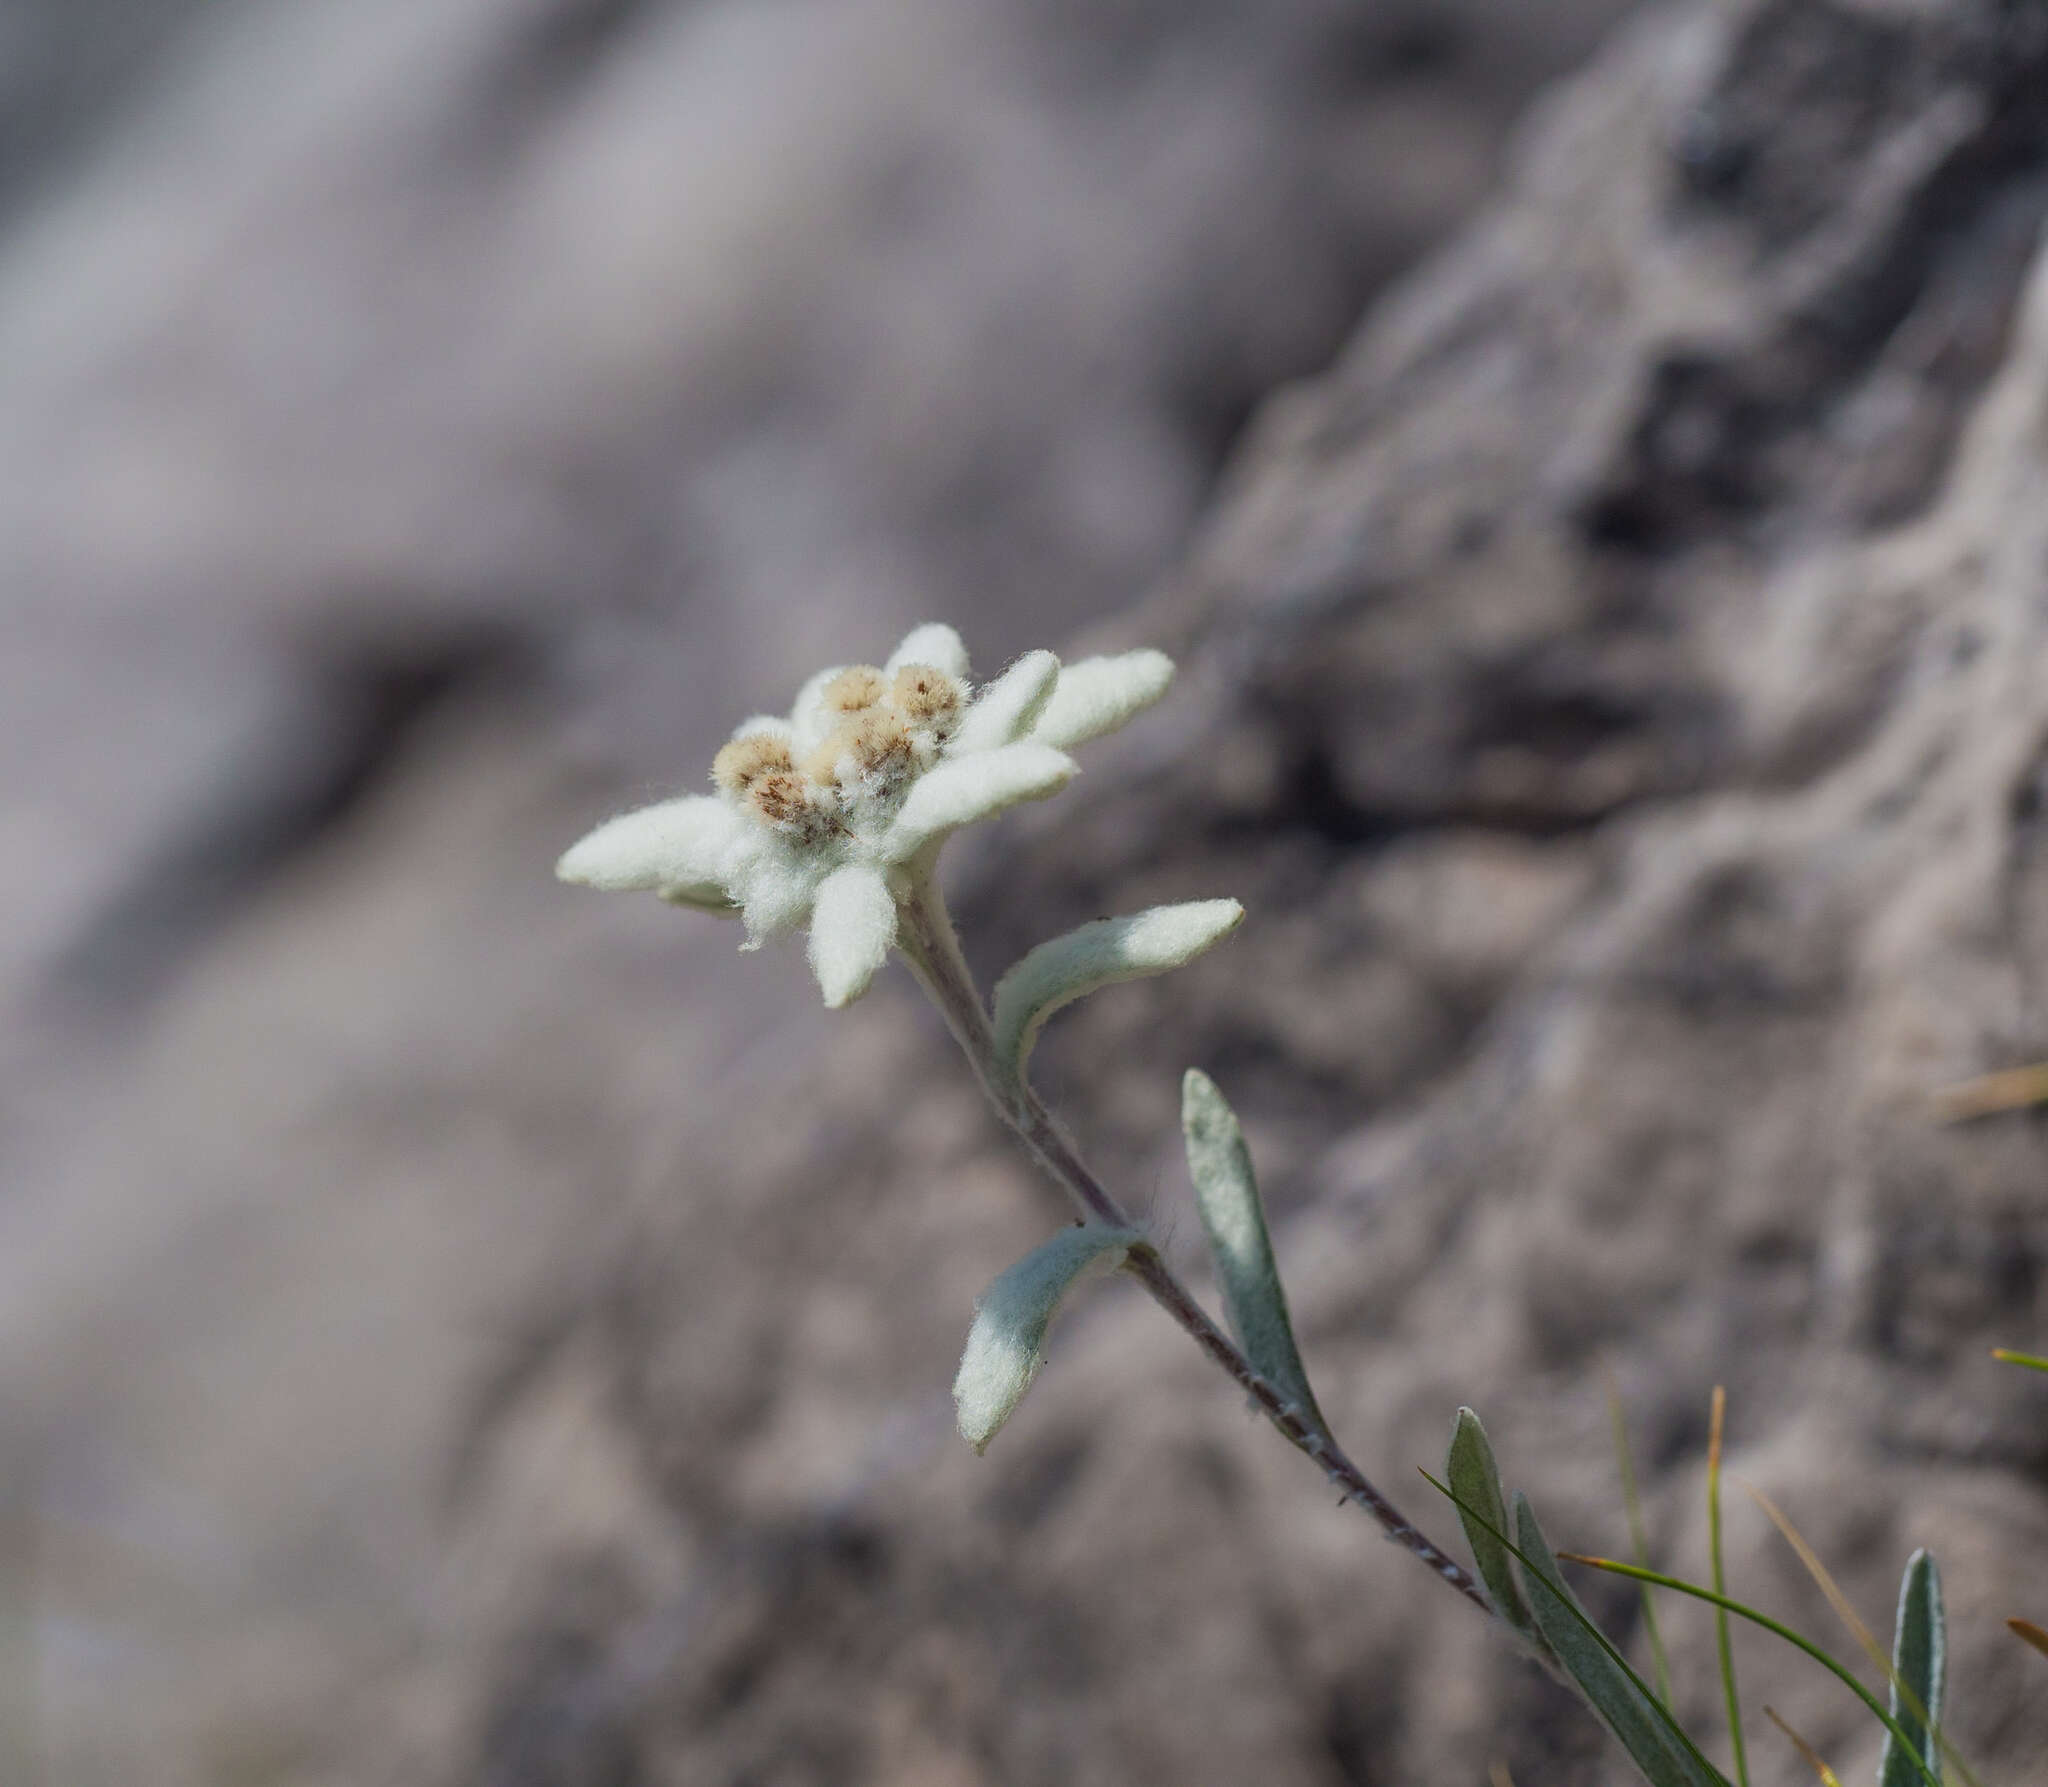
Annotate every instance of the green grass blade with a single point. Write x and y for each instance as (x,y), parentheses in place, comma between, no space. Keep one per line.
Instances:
(1475,1484)
(1639,1541)
(1840,1671)
(1919,1674)
(1722,1645)
(2029,1360)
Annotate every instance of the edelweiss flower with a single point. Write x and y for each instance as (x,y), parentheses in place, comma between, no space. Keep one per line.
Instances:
(835,816)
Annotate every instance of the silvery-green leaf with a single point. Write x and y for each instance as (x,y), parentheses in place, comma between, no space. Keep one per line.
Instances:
(1098,695)
(1920,1669)
(935,644)
(1475,1485)
(1006,1345)
(852,925)
(1227,1194)
(963,789)
(1623,1704)
(1099,955)
(676,844)
(1005,710)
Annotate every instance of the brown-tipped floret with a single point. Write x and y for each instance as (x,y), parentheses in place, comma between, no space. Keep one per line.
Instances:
(925,696)
(854,689)
(740,765)
(872,743)
(782,797)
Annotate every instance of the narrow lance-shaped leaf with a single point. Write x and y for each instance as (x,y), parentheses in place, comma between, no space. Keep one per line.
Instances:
(1657,1748)
(1919,1669)
(1006,1345)
(1227,1194)
(1475,1487)
(1099,955)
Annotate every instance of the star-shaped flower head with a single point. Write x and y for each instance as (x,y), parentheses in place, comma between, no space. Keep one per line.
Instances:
(835,815)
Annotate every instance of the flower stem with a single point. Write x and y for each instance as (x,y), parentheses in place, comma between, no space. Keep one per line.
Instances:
(932,950)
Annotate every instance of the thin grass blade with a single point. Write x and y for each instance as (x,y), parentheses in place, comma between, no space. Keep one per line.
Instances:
(1807,1753)
(1638,1537)
(1717,1423)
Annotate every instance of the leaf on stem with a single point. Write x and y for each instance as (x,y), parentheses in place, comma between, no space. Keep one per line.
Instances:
(1919,1673)
(1475,1491)
(1006,1345)
(1099,955)
(1227,1195)
(1611,1688)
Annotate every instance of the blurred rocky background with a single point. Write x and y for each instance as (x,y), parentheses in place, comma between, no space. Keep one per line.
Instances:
(461,1330)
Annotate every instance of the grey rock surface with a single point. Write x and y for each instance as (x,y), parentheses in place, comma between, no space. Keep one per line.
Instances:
(422,427)
(461,1330)
(1617,691)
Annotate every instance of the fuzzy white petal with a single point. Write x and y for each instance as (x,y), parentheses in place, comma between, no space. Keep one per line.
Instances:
(1098,695)
(964,789)
(1099,955)
(773,882)
(935,644)
(765,725)
(852,925)
(678,844)
(1006,709)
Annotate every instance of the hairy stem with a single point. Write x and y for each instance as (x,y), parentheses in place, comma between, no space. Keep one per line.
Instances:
(931,948)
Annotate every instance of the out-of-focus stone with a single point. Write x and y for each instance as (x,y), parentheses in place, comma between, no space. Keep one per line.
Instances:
(1619,692)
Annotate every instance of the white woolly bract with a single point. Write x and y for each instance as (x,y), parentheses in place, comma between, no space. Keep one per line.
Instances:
(774,883)
(1098,695)
(977,786)
(1099,955)
(1006,709)
(935,644)
(676,846)
(853,922)
(1006,1344)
